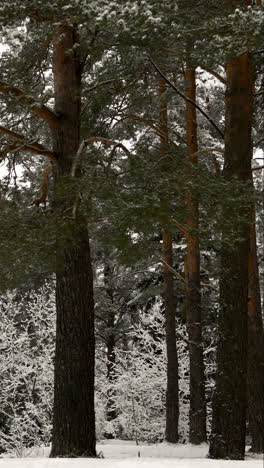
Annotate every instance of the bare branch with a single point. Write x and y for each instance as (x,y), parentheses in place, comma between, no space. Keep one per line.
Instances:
(208,150)
(257,168)
(38,108)
(187,99)
(44,186)
(32,147)
(212,72)
(175,273)
(182,228)
(85,143)
(153,126)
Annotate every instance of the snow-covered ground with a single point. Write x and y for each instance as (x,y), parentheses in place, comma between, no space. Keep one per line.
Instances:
(123,454)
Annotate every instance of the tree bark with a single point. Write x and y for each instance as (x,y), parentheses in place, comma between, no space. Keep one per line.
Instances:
(110,345)
(230,396)
(197,417)
(172,397)
(255,348)
(74,419)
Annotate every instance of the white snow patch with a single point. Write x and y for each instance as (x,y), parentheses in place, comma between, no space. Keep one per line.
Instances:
(124,454)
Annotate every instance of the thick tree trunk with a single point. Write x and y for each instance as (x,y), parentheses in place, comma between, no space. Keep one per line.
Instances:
(197,419)
(255,348)
(74,419)
(172,397)
(230,397)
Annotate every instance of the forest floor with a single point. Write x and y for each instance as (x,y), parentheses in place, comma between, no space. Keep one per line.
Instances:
(125,454)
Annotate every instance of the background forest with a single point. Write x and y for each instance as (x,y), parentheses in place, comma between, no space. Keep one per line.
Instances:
(141,123)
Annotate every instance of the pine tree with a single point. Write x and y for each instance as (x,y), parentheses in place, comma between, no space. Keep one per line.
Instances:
(230,398)
(172,397)
(193,292)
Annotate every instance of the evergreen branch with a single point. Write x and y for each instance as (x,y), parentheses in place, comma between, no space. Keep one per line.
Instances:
(187,99)
(151,125)
(77,160)
(94,87)
(34,147)
(39,109)
(44,186)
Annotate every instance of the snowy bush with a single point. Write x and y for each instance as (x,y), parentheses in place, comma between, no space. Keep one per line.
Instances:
(27,336)
(139,389)
(137,392)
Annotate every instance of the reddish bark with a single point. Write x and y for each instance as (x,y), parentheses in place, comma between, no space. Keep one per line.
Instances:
(230,396)
(74,419)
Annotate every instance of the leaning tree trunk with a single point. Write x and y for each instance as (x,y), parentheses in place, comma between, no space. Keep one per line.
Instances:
(74,419)
(172,397)
(230,396)
(255,348)
(197,418)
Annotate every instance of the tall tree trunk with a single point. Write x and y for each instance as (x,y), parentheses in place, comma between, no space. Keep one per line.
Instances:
(172,398)
(255,343)
(230,396)
(255,348)
(197,419)
(74,419)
